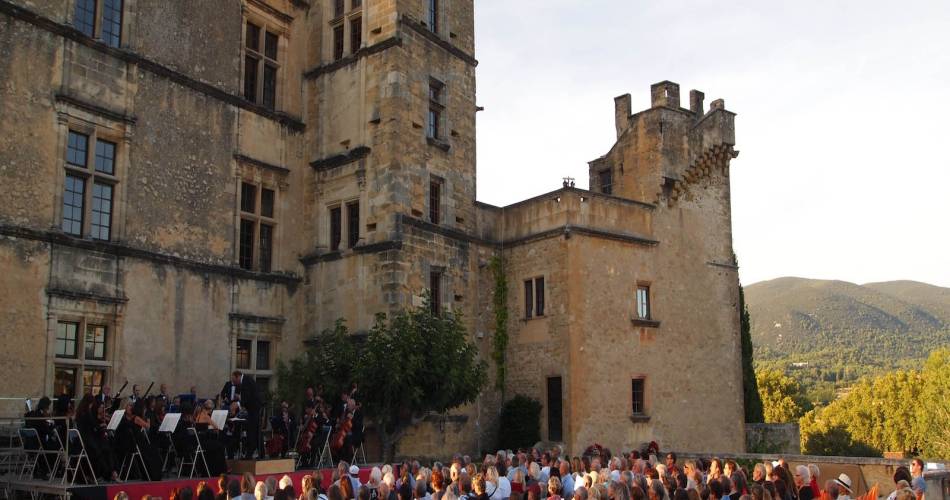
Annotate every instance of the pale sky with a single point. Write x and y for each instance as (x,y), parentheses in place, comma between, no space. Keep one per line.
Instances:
(843,117)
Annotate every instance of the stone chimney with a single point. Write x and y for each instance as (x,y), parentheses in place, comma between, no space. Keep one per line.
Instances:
(696,102)
(622,108)
(665,93)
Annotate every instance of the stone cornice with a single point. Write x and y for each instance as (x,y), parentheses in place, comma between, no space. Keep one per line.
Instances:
(323,256)
(70,33)
(85,296)
(123,250)
(353,58)
(262,164)
(357,153)
(426,33)
(95,109)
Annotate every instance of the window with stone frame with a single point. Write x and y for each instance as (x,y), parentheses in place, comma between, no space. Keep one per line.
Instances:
(356,33)
(339,41)
(352,223)
(344,224)
(606,181)
(638,396)
(435,290)
(261,63)
(100,19)
(534,297)
(436,108)
(82,356)
(89,186)
(253,356)
(257,231)
(432,15)
(435,200)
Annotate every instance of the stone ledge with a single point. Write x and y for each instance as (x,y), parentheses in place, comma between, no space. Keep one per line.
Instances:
(438,143)
(262,164)
(426,33)
(95,109)
(84,295)
(355,154)
(649,323)
(353,58)
(639,419)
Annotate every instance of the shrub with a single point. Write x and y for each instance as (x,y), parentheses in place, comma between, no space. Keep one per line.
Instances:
(520,423)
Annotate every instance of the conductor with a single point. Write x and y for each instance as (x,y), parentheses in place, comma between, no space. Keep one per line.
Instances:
(250,400)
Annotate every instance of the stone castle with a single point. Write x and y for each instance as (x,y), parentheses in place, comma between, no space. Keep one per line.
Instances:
(194,187)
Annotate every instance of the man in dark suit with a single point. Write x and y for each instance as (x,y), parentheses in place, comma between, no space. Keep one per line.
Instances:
(251,401)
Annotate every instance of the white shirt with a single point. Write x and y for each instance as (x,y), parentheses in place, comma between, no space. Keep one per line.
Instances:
(502,490)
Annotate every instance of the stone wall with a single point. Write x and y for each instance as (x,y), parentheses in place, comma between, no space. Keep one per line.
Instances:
(773,438)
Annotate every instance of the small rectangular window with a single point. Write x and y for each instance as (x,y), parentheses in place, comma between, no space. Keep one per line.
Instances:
(112,22)
(246,245)
(66,339)
(356,3)
(352,224)
(637,396)
(267,202)
(243,354)
(338,42)
(73,204)
(105,157)
(434,125)
(528,299)
(101,225)
(266,248)
(336,228)
(433,15)
(539,296)
(338,8)
(606,181)
(248,198)
(253,37)
(356,33)
(435,290)
(84,17)
(435,202)
(270,45)
(77,149)
(95,345)
(643,302)
(263,355)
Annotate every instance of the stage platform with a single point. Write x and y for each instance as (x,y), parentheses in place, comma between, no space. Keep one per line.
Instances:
(159,489)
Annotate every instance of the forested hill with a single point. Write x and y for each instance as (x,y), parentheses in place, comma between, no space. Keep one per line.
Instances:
(836,324)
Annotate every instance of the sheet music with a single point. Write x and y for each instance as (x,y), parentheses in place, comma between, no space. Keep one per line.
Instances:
(115,420)
(219,417)
(170,422)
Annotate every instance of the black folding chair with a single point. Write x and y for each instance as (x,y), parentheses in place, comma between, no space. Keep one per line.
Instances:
(76,457)
(199,453)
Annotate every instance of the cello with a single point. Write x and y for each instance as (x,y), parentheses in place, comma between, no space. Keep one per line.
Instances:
(343,430)
(304,445)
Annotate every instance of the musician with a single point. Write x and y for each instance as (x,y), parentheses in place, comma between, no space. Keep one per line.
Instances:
(104,396)
(307,443)
(163,396)
(89,421)
(251,401)
(284,429)
(237,418)
(309,398)
(341,407)
(205,428)
(136,394)
(132,431)
(38,419)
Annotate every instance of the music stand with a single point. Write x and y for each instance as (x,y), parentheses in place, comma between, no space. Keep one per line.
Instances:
(115,420)
(170,422)
(219,418)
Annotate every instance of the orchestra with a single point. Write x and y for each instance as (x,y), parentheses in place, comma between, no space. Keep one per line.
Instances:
(137,445)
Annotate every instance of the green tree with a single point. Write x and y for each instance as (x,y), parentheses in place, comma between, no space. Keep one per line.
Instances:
(933,419)
(328,360)
(750,389)
(780,396)
(519,425)
(413,363)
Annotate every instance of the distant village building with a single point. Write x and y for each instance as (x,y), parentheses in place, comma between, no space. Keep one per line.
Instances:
(195,187)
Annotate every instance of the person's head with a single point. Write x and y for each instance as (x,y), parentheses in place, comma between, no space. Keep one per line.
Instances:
(247,483)
(236,377)
(715,467)
(902,474)
(163,389)
(465,484)
(756,490)
(758,472)
(309,393)
(715,490)
(205,494)
(234,488)
(692,494)
(656,491)
(534,471)
(405,491)
(729,467)
(727,486)
(346,487)
(802,476)
(670,459)
(363,493)
(814,471)
(208,405)
(135,390)
(334,492)
(831,488)
(260,490)
(916,467)
(121,496)
(680,494)
(554,486)
(905,494)
(306,483)
(580,493)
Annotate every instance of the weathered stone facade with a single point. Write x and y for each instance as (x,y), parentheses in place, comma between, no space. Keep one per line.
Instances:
(356,184)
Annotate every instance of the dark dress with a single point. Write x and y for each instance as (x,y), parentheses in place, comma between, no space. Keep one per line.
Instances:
(127,436)
(100,453)
(805,493)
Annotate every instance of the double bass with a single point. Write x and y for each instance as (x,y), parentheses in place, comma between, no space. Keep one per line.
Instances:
(343,430)
(304,445)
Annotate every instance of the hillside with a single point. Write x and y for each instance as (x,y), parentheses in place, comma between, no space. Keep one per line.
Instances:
(835,331)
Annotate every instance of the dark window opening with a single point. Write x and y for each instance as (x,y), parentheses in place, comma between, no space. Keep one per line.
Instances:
(267,202)
(246,250)
(73,204)
(112,22)
(555,414)
(435,290)
(265,248)
(250,78)
(435,202)
(243,355)
(248,198)
(101,211)
(64,381)
(434,125)
(338,8)
(352,224)
(637,396)
(336,228)
(338,42)
(539,296)
(84,18)
(606,181)
(269,90)
(270,45)
(260,66)
(263,355)
(253,37)
(356,34)
(433,15)
(528,298)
